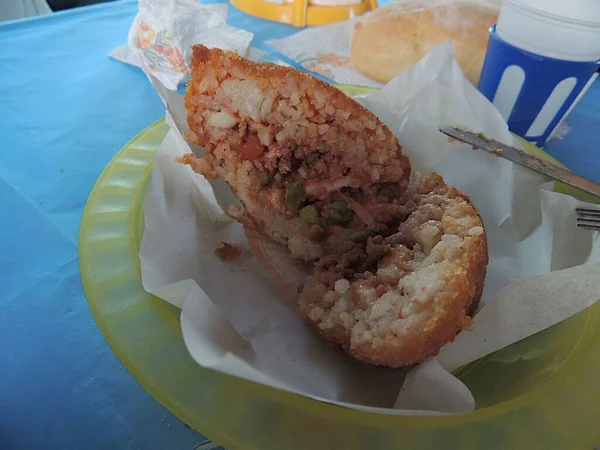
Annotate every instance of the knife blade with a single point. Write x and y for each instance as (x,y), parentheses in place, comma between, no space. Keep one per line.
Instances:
(480,141)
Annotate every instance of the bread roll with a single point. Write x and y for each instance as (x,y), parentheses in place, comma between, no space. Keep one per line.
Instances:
(392,39)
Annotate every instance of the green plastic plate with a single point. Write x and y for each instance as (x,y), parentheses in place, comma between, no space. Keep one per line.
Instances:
(540,393)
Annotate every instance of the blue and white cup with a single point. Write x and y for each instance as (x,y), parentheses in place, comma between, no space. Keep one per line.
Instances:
(534,81)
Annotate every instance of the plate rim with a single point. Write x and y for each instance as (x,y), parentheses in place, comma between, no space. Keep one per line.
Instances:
(309,405)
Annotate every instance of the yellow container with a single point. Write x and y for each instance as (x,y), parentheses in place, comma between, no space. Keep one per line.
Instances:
(300,13)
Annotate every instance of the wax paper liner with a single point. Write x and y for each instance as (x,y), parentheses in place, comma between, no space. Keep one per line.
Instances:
(237,320)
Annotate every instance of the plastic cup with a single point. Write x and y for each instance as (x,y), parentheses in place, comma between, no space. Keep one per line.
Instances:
(542,56)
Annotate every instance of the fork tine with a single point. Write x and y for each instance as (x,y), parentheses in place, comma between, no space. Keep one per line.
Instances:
(592,227)
(590,222)
(588,212)
(588,218)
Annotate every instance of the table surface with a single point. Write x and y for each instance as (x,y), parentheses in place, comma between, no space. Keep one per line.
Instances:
(66,109)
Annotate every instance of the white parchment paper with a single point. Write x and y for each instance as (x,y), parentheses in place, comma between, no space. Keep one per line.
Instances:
(236,320)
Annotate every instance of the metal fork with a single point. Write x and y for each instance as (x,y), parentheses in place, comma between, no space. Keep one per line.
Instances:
(588,218)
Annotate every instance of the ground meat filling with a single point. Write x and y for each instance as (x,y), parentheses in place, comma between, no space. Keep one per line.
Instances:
(356,253)
(307,176)
(339,220)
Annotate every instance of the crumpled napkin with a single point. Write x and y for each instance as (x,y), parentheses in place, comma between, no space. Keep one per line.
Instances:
(163,32)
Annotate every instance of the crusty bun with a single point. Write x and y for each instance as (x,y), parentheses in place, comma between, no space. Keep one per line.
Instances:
(392,39)
(399,265)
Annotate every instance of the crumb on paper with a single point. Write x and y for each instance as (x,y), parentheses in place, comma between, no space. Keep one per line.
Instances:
(467,324)
(227,252)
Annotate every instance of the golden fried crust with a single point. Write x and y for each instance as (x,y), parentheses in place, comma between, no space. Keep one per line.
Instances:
(205,59)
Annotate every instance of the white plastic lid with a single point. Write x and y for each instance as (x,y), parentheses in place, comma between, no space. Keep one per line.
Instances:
(581,11)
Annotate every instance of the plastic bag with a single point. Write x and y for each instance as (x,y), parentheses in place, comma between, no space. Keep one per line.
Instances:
(163,32)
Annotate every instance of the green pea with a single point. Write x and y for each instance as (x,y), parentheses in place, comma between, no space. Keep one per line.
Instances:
(340,218)
(339,204)
(311,159)
(357,235)
(339,212)
(294,194)
(265,178)
(310,214)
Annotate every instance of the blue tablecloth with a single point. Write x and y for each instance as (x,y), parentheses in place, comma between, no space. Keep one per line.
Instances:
(65,110)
